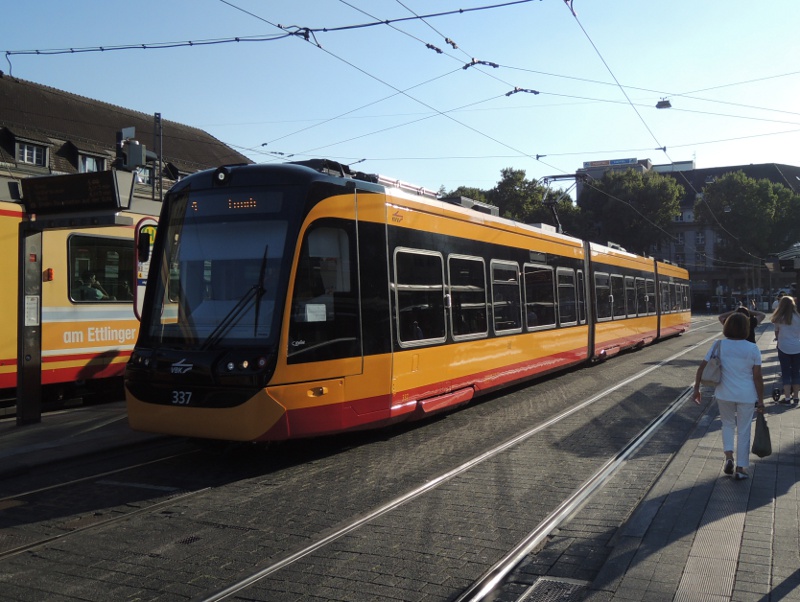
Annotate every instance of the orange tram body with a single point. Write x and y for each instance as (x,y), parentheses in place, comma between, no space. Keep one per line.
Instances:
(297,300)
(78,336)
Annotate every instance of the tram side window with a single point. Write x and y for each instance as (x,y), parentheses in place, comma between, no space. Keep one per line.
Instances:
(666,298)
(650,288)
(566,297)
(641,297)
(506,297)
(101,269)
(468,296)
(674,297)
(602,286)
(419,286)
(630,296)
(325,314)
(685,297)
(618,291)
(581,300)
(540,297)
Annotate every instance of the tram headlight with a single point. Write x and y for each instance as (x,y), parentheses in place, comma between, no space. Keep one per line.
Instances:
(230,366)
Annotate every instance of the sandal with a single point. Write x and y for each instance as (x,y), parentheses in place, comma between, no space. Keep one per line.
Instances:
(740,474)
(728,467)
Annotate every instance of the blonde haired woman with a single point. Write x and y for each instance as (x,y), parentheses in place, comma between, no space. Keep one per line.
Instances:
(787,331)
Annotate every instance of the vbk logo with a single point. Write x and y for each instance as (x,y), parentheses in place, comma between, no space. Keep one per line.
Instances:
(181,367)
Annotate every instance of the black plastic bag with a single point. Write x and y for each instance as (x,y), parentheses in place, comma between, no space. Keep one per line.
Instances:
(762,444)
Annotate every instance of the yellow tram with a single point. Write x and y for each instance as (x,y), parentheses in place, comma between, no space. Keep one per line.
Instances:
(301,299)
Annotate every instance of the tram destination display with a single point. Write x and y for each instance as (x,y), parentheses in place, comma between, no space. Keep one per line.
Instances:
(97,191)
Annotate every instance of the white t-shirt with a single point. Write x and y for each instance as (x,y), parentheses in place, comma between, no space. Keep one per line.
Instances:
(737,358)
(789,336)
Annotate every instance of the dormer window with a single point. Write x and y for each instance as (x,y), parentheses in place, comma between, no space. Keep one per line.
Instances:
(144,175)
(90,163)
(31,154)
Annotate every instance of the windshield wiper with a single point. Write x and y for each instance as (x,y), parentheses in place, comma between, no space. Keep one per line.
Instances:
(230,319)
(237,311)
(260,290)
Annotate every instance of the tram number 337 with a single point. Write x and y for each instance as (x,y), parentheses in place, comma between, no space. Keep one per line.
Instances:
(181,398)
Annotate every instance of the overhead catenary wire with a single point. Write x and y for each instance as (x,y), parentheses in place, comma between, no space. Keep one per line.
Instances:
(295,30)
(385,83)
(663,148)
(422,18)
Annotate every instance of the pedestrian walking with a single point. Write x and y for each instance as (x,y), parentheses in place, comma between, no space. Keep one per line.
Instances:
(739,392)
(754,317)
(787,332)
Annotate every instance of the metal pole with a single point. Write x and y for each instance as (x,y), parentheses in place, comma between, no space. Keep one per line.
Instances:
(29,327)
(160,147)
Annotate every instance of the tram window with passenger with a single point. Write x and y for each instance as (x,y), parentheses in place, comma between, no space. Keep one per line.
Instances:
(100,269)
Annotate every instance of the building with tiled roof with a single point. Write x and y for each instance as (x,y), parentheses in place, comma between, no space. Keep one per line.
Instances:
(45,131)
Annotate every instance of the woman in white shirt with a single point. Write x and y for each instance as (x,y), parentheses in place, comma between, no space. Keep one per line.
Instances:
(787,331)
(740,391)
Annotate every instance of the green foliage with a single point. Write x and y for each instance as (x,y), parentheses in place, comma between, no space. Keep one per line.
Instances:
(636,210)
(630,208)
(476,194)
(752,217)
(521,199)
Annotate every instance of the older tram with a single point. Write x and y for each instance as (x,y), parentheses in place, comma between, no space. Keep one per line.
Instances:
(68,297)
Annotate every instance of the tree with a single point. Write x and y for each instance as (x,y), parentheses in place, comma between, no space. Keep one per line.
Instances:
(476,194)
(752,218)
(513,194)
(630,208)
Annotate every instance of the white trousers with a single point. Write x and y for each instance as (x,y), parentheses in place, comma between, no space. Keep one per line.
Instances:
(736,418)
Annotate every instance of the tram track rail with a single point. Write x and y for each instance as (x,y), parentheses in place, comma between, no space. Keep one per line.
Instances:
(486,583)
(21,497)
(327,535)
(99,525)
(91,477)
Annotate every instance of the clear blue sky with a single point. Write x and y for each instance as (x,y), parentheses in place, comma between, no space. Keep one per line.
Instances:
(728,67)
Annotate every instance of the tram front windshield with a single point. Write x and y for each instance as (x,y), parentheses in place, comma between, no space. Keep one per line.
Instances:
(219,269)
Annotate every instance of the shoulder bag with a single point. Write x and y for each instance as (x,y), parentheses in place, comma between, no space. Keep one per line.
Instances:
(712,373)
